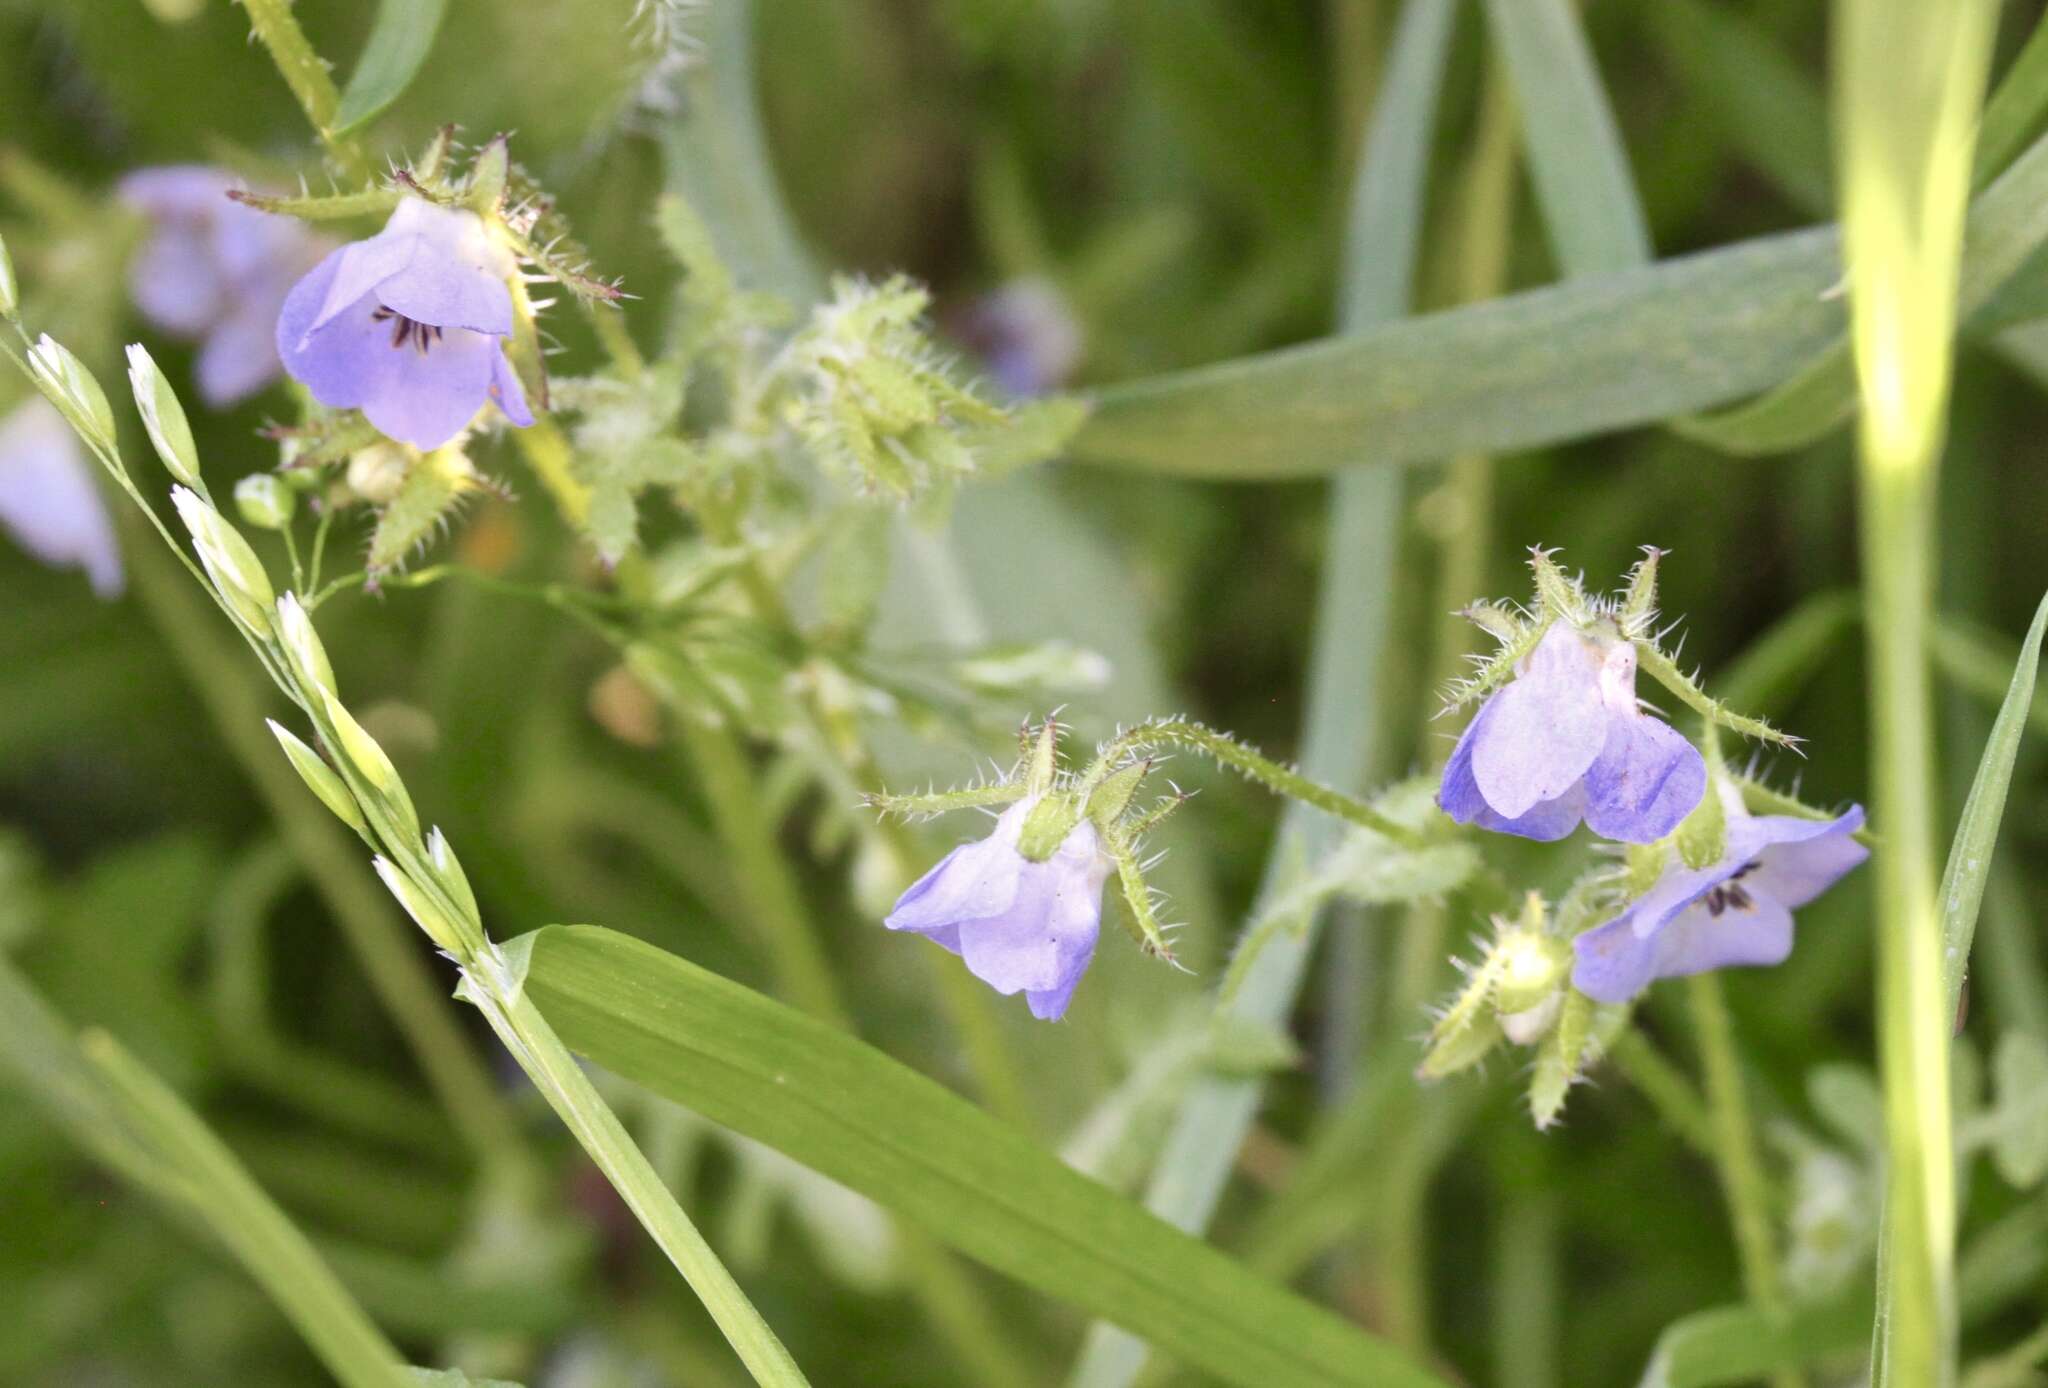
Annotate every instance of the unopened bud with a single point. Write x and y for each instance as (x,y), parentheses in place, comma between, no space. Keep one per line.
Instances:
(163,417)
(72,389)
(9,300)
(236,571)
(302,645)
(376,473)
(1532,968)
(265,501)
(320,778)
(420,906)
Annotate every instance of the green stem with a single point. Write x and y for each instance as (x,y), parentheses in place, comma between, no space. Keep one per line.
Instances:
(1667,1089)
(1735,1152)
(1249,763)
(396,971)
(558,1076)
(306,73)
(759,873)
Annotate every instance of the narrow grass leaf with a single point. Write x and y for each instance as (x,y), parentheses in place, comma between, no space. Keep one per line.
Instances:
(1576,155)
(399,41)
(1770,110)
(852,1113)
(1969,856)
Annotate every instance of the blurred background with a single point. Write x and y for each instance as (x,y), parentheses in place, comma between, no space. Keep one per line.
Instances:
(1156,186)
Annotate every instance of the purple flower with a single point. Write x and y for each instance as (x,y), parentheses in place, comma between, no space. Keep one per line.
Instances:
(215,272)
(1027,334)
(1021,926)
(408,326)
(1565,741)
(47,498)
(1736,911)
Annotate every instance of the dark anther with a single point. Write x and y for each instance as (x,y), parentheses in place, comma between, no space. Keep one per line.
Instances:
(421,335)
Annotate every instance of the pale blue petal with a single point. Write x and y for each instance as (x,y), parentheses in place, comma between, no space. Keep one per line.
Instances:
(1547,726)
(1646,779)
(48,501)
(428,397)
(1809,856)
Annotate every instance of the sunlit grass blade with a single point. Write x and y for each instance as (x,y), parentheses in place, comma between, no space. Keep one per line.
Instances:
(850,1112)
(1907,82)
(1969,857)
(1576,156)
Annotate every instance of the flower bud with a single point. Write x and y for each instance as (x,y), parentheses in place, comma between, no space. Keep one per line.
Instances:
(421,908)
(320,778)
(163,417)
(265,501)
(234,568)
(9,300)
(302,645)
(1532,966)
(72,389)
(376,473)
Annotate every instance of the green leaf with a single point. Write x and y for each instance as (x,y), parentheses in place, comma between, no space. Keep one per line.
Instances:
(1969,857)
(1561,362)
(850,1112)
(2016,111)
(454,1378)
(1576,156)
(2021,1067)
(398,45)
(1813,403)
(1740,1344)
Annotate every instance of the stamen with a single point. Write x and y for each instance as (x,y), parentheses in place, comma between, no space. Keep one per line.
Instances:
(421,335)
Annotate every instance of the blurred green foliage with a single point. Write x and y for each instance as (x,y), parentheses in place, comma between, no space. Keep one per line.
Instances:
(1177,171)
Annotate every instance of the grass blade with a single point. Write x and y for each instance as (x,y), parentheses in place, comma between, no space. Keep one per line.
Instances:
(1561,362)
(399,41)
(850,1112)
(1969,857)
(133,1123)
(1576,157)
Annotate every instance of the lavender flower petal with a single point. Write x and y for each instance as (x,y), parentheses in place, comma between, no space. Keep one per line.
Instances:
(1647,779)
(1547,726)
(48,501)
(1021,926)
(1815,855)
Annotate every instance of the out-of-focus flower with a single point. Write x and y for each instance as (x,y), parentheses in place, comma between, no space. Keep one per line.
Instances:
(215,272)
(1565,740)
(408,326)
(1027,334)
(1021,926)
(47,498)
(1736,910)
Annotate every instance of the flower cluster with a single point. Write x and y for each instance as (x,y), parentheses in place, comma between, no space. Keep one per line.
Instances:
(1561,737)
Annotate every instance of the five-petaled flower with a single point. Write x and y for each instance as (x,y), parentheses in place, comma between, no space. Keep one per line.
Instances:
(48,500)
(1565,740)
(1736,910)
(215,272)
(1021,926)
(409,326)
